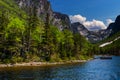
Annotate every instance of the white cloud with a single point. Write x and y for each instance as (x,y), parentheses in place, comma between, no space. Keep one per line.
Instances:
(77,18)
(90,25)
(94,25)
(108,21)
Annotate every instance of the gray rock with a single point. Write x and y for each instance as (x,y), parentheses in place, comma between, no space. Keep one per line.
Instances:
(79,28)
(41,8)
(61,20)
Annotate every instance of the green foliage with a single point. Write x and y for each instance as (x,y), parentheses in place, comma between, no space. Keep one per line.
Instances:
(82,47)
(32,57)
(68,43)
(15,59)
(110,38)
(15,27)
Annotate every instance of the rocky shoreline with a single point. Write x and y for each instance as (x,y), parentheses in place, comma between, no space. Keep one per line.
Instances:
(40,63)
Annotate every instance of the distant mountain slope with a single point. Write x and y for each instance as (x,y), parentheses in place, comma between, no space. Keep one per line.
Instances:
(96,36)
(114,29)
(111,38)
(79,28)
(92,36)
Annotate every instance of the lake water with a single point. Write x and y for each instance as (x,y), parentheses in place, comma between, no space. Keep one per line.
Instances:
(92,70)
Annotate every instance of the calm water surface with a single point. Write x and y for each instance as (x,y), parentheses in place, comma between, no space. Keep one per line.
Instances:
(93,70)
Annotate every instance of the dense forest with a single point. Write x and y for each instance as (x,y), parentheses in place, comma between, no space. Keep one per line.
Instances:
(24,37)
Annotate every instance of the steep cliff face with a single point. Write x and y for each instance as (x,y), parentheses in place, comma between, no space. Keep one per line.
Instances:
(39,7)
(43,7)
(61,20)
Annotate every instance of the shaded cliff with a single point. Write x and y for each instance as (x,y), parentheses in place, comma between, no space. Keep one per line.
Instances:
(61,20)
(115,27)
(42,8)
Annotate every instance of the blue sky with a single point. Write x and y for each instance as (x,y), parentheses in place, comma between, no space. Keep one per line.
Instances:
(99,10)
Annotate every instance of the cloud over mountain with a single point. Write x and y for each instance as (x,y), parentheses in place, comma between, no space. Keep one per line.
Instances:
(94,25)
(108,21)
(77,18)
(90,25)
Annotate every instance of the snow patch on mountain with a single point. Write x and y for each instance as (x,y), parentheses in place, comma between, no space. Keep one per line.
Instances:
(108,43)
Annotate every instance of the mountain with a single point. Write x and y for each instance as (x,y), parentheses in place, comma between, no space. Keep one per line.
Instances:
(115,27)
(92,36)
(96,36)
(112,29)
(111,45)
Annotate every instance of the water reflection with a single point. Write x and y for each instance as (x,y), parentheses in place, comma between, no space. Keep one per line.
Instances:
(93,70)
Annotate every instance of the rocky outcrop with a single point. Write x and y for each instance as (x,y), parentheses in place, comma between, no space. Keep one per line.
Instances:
(61,20)
(39,7)
(79,28)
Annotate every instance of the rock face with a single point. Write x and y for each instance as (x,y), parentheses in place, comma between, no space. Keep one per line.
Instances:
(61,20)
(79,28)
(40,7)
(115,27)
(43,7)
